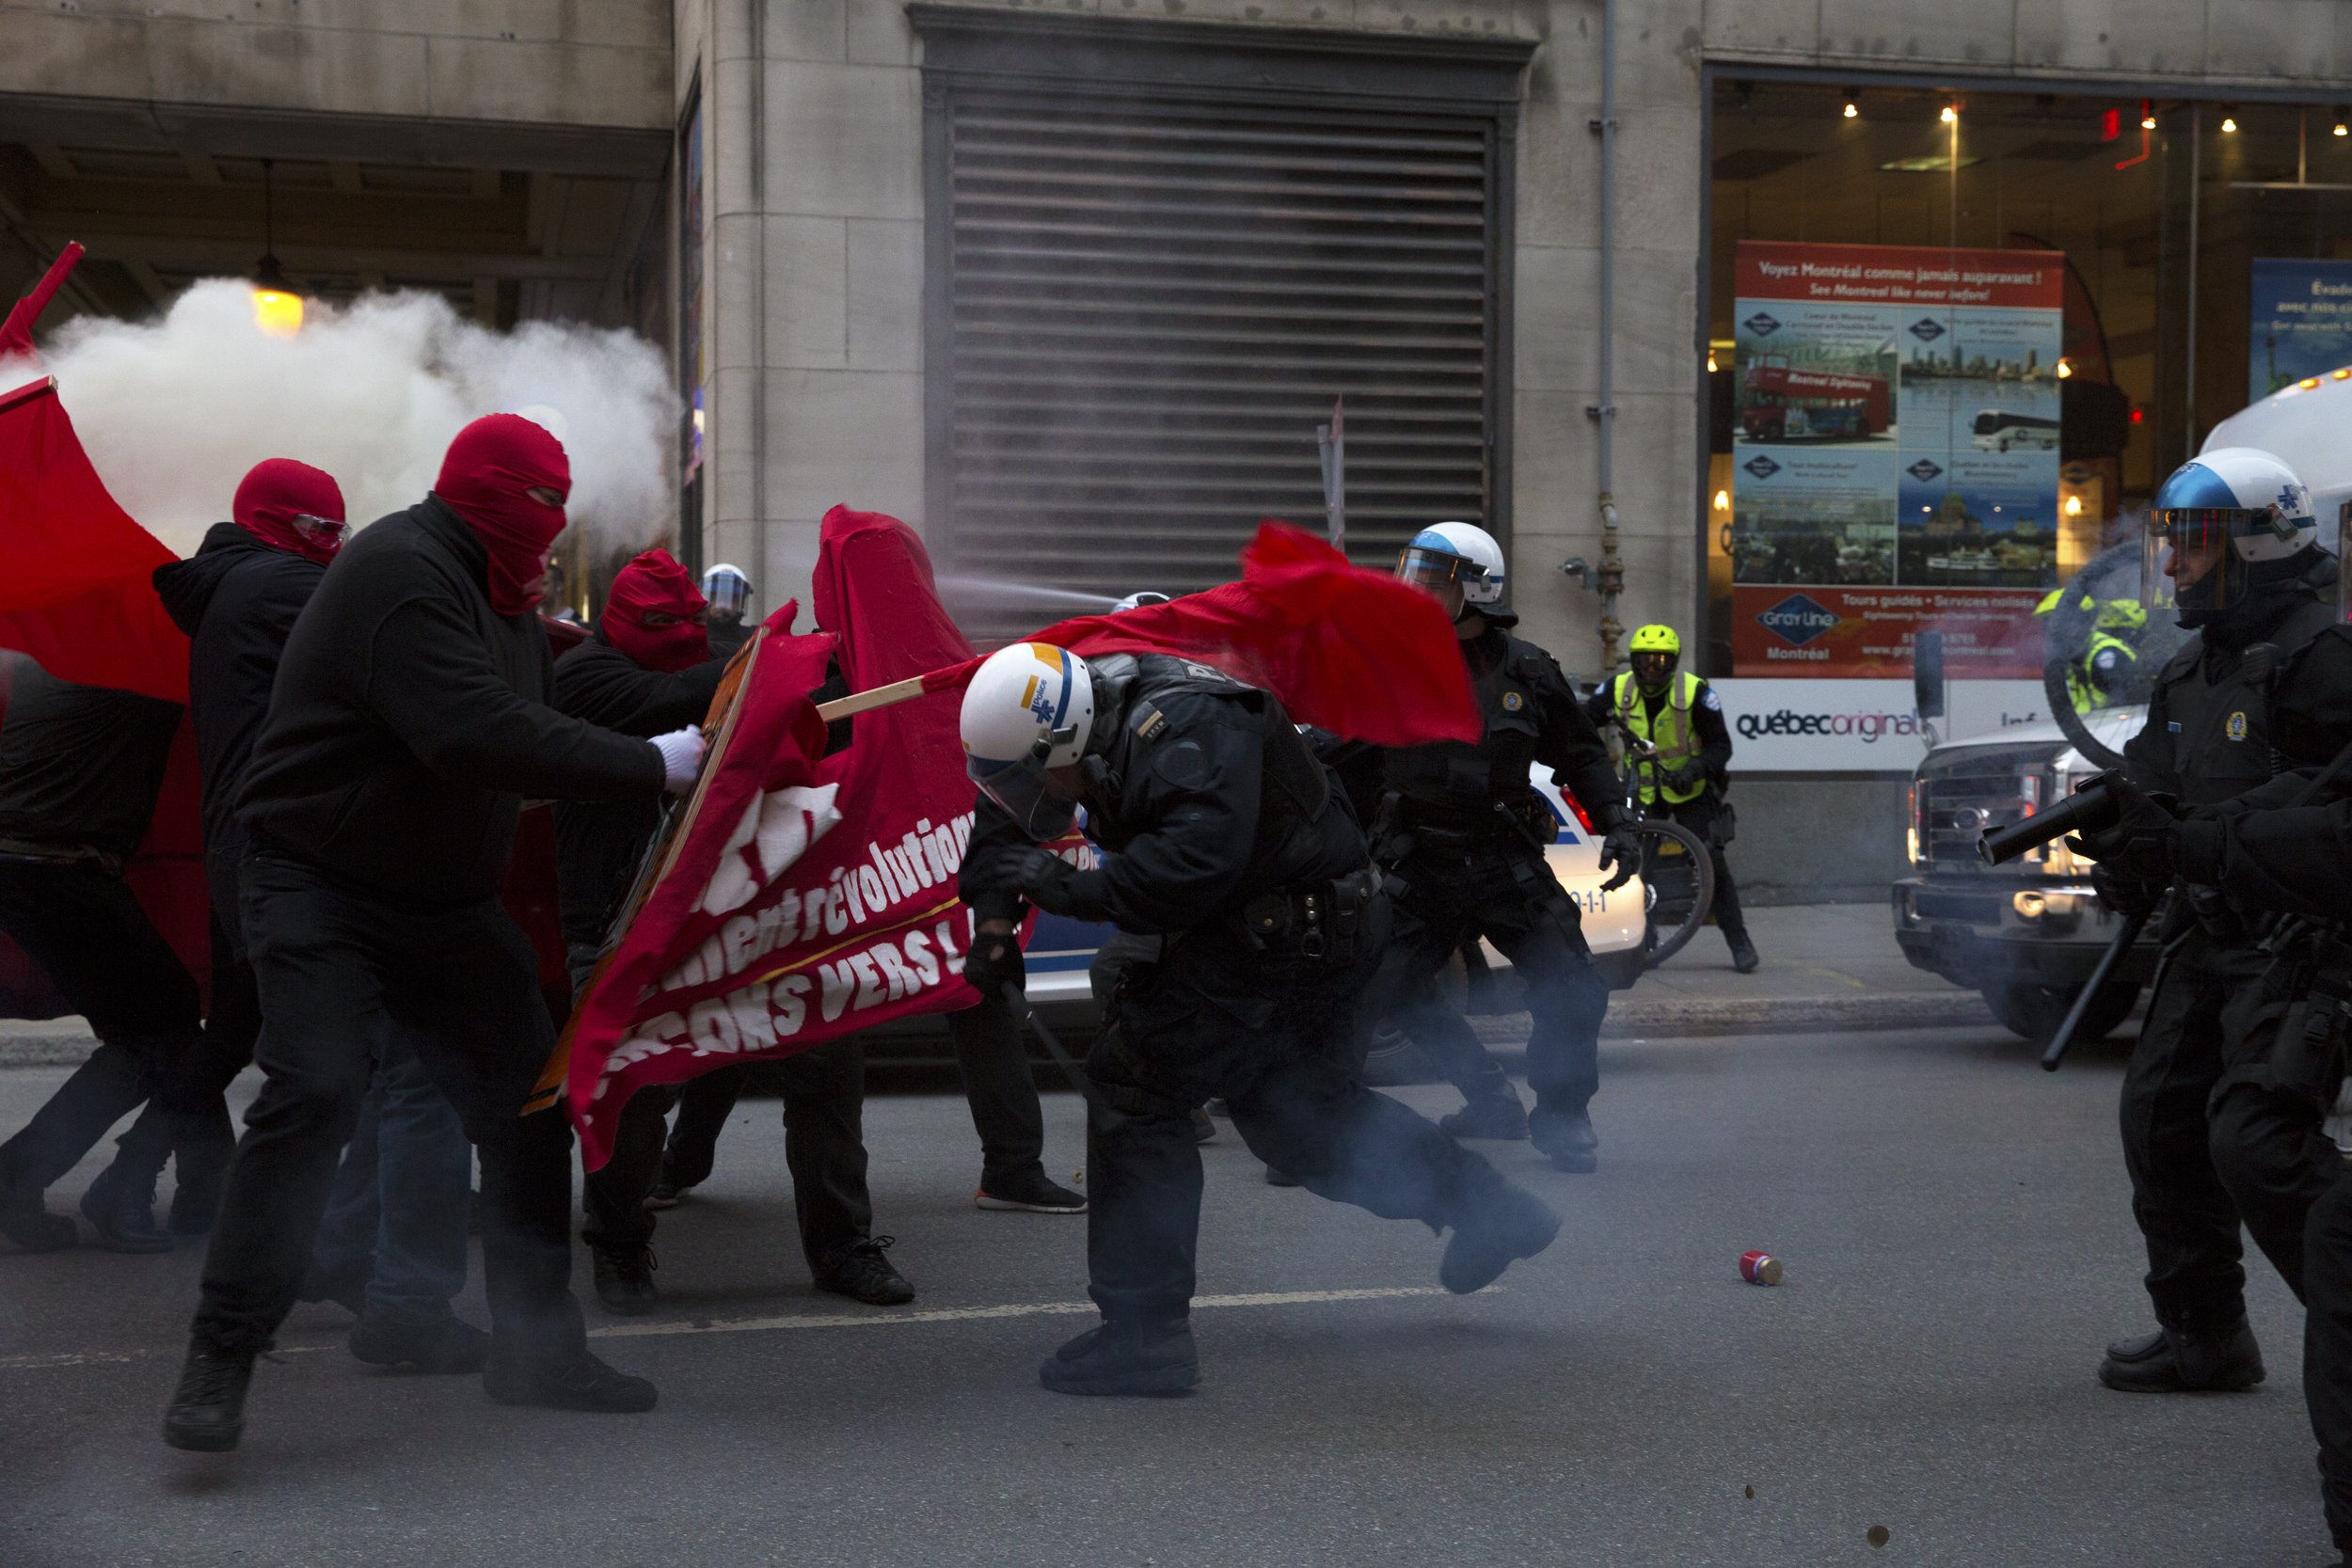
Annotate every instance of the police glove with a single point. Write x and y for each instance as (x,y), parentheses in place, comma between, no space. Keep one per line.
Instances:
(1622,848)
(2121,892)
(995,962)
(681,757)
(993,868)
(1043,878)
(1680,778)
(2139,847)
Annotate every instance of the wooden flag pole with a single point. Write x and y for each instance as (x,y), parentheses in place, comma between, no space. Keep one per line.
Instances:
(872,698)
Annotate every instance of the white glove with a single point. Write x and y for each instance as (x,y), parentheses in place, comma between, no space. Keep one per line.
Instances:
(681,758)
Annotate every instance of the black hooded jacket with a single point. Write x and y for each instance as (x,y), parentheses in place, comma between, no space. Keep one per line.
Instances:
(597,845)
(409,720)
(237,599)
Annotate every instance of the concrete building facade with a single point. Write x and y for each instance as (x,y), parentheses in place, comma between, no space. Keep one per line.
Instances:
(764,185)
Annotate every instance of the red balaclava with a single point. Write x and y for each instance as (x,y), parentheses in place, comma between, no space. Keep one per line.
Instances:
(656,583)
(291,506)
(490,465)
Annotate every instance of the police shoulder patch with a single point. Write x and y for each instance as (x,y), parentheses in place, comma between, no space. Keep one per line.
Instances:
(2235,728)
(1183,764)
(1513,701)
(1711,703)
(1149,722)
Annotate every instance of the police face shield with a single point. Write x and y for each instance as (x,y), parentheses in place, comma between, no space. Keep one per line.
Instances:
(1437,575)
(1027,791)
(727,594)
(2190,566)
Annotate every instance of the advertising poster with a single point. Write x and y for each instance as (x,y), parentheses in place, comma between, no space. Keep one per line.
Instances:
(1860,726)
(1896,457)
(2302,323)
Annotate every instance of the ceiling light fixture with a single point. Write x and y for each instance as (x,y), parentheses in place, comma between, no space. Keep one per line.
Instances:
(2228,119)
(277,308)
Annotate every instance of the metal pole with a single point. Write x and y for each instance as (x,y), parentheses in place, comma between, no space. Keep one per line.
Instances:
(2196,159)
(1610,579)
(756,30)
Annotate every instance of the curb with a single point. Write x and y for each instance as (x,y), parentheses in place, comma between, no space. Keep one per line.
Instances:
(1786,1015)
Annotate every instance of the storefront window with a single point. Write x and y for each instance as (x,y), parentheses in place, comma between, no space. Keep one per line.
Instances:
(1956,338)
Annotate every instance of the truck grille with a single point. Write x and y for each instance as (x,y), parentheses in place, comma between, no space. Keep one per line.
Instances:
(1956,799)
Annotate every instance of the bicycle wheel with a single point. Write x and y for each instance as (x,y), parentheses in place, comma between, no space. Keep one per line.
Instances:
(1679,887)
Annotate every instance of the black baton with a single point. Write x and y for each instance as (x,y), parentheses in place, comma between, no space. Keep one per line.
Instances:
(1018,1000)
(2133,924)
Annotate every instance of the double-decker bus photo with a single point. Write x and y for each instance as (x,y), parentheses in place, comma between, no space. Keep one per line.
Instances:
(1784,402)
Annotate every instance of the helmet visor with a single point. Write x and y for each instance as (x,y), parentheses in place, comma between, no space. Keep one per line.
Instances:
(2188,564)
(1027,796)
(727,593)
(1427,568)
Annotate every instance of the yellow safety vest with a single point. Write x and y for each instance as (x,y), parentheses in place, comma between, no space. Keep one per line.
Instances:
(1671,733)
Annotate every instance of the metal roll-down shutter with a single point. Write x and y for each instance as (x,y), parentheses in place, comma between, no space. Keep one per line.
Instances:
(1152,301)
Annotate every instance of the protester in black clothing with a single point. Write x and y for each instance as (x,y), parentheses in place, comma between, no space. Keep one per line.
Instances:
(648,670)
(80,768)
(1460,834)
(1219,828)
(408,722)
(1681,719)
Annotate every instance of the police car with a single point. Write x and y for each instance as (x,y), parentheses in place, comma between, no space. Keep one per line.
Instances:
(1061,950)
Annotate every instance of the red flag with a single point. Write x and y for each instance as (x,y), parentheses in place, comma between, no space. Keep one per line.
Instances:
(1351,651)
(802,898)
(77,593)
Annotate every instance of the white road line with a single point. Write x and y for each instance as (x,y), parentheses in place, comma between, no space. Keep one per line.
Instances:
(829,1319)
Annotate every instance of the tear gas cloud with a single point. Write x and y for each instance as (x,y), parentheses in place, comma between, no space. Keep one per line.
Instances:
(173,411)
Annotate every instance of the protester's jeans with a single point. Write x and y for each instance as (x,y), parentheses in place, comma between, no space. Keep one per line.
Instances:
(341,976)
(396,1218)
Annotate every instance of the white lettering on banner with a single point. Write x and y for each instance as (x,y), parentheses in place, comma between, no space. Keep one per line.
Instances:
(775,832)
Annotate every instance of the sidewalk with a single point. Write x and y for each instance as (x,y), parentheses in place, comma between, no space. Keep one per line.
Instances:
(1826,966)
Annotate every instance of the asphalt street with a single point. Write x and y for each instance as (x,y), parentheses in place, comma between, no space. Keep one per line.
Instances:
(1958,1247)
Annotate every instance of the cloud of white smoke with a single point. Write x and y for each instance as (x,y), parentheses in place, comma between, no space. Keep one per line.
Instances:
(174,411)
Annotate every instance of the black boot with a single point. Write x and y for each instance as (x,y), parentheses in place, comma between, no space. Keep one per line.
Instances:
(1497,1115)
(625,1278)
(580,1381)
(1567,1137)
(207,1410)
(32,1227)
(1030,1191)
(1497,1229)
(1125,1358)
(449,1345)
(1743,957)
(863,1273)
(2221,1361)
(122,1209)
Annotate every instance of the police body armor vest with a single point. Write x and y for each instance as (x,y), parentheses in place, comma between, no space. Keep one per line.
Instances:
(2220,734)
(1670,732)
(1454,782)
(1294,786)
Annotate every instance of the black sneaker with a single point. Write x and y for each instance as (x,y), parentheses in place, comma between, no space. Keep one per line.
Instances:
(666,1194)
(1493,1116)
(2223,1361)
(207,1410)
(34,1228)
(863,1273)
(450,1345)
(625,1278)
(1116,1359)
(1030,1191)
(122,1210)
(1743,957)
(1500,1228)
(580,1382)
(1567,1137)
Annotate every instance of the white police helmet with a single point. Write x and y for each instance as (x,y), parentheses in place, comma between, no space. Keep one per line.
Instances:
(727,588)
(2245,503)
(1454,552)
(1030,708)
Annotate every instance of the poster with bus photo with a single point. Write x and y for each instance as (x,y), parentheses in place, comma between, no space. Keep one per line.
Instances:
(1896,462)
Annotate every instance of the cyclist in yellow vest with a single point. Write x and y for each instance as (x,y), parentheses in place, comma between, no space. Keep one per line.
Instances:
(1681,717)
(2103,674)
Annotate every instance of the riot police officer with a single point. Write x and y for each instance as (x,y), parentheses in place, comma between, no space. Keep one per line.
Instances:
(2251,579)
(1679,717)
(1460,833)
(1219,829)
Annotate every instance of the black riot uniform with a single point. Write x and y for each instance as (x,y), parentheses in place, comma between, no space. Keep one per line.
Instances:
(1220,831)
(1459,835)
(2214,729)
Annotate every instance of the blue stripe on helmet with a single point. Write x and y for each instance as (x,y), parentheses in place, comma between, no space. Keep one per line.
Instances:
(1430,539)
(1062,707)
(2195,487)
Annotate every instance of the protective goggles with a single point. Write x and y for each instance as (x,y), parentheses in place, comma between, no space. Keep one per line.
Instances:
(1041,811)
(1427,568)
(327,530)
(1652,665)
